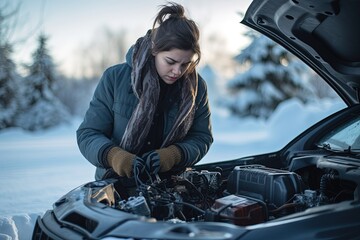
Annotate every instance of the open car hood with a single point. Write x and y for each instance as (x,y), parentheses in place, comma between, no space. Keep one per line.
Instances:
(324,34)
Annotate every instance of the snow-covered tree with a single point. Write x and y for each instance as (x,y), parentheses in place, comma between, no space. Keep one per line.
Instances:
(8,75)
(41,108)
(9,101)
(272,75)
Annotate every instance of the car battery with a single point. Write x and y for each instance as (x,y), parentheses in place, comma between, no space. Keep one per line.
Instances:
(239,210)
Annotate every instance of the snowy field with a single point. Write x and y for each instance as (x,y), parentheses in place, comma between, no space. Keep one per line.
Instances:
(38,168)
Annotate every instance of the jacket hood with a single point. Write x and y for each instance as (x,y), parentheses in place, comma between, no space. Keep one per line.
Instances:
(324,34)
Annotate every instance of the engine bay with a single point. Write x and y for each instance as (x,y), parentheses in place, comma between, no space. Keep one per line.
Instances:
(250,194)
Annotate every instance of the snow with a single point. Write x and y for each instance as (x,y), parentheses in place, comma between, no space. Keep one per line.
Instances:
(269,75)
(38,168)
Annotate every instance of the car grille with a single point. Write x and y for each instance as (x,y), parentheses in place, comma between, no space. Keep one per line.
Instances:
(39,234)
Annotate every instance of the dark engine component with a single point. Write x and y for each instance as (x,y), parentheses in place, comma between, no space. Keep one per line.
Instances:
(136,205)
(184,197)
(272,186)
(239,210)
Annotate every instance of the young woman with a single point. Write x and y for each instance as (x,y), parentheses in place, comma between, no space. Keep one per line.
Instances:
(153,108)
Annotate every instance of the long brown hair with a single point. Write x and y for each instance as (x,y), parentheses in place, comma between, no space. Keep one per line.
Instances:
(175,30)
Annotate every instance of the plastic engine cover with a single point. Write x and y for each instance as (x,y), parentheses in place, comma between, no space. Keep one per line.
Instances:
(273,186)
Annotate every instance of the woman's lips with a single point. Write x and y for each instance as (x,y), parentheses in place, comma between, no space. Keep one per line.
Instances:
(173,79)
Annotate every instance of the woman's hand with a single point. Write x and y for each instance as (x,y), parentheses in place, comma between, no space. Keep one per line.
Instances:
(163,159)
(121,161)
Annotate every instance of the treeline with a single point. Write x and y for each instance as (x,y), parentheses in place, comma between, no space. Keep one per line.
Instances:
(42,98)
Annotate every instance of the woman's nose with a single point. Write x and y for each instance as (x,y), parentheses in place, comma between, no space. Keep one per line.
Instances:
(176,70)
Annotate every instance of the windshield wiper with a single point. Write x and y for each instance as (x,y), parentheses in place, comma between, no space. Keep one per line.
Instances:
(348,151)
(355,151)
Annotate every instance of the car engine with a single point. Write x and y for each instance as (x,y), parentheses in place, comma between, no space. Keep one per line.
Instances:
(250,194)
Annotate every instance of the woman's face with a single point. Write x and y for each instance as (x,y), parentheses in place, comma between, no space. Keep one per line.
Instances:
(171,65)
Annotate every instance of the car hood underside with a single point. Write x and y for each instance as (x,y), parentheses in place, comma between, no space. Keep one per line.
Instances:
(324,34)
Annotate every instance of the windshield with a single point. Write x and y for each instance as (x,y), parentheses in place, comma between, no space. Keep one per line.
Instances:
(346,137)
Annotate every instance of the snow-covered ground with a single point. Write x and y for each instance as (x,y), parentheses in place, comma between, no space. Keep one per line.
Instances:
(38,168)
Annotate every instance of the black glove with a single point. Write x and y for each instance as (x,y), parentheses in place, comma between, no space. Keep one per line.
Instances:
(152,162)
(163,159)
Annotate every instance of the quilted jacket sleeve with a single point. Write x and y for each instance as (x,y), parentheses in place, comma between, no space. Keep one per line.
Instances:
(94,133)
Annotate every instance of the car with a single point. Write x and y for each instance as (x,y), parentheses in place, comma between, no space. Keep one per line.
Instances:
(310,189)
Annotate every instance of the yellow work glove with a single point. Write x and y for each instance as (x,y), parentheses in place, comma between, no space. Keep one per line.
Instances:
(169,156)
(121,161)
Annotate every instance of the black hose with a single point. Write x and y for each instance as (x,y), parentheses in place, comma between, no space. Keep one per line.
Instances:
(325,179)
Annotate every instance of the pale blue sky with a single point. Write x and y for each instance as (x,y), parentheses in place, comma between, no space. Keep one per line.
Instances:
(73,23)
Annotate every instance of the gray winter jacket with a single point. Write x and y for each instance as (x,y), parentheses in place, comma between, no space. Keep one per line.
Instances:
(111,108)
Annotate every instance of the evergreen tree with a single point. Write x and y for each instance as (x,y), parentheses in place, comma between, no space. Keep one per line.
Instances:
(41,108)
(8,76)
(273,75)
